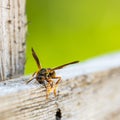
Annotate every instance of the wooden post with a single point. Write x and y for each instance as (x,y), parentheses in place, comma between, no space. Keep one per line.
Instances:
(12,38)
(88,91)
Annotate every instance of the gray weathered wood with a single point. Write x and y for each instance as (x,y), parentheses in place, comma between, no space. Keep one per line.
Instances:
(88,91)
(12,38)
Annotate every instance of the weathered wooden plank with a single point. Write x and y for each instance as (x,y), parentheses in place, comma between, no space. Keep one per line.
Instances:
(88,91)
(12,38)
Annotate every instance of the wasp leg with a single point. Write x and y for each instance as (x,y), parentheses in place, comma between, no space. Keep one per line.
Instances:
(56,84)
(44,85)
(50,81)
(48,90)
(31,78)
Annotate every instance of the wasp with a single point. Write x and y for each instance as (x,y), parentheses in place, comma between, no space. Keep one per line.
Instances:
(45,76)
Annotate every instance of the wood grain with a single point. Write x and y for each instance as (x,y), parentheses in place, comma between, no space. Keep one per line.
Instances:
(12,38)
(87,96)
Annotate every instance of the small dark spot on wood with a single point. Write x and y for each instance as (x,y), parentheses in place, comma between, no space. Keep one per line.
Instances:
(58,91)
(65,95)
(58,114)
(19,14)
(9,21)
(78,103)
(23,43)
(9,75)
(4,84)
(67,79)
(19,27)
(20,51)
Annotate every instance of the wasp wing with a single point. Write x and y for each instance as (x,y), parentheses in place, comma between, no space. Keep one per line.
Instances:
(59,67)
(36,58)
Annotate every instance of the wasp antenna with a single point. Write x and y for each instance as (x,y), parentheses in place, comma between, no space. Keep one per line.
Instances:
(32,49)
(30,80)
(36,58)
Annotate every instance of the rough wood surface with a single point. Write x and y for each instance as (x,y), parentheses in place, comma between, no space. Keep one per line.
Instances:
(12,38)
(88,91)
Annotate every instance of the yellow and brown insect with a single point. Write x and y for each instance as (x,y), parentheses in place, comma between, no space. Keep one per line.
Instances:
(45,76)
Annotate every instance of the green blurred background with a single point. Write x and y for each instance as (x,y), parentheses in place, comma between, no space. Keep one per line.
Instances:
(61,31)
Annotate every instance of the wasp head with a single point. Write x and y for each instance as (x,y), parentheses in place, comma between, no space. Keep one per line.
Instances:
(42,75)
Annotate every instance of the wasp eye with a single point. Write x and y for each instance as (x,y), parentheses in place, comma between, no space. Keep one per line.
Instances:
(47,73)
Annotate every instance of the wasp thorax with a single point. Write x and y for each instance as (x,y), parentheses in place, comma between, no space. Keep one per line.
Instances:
(43,71)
